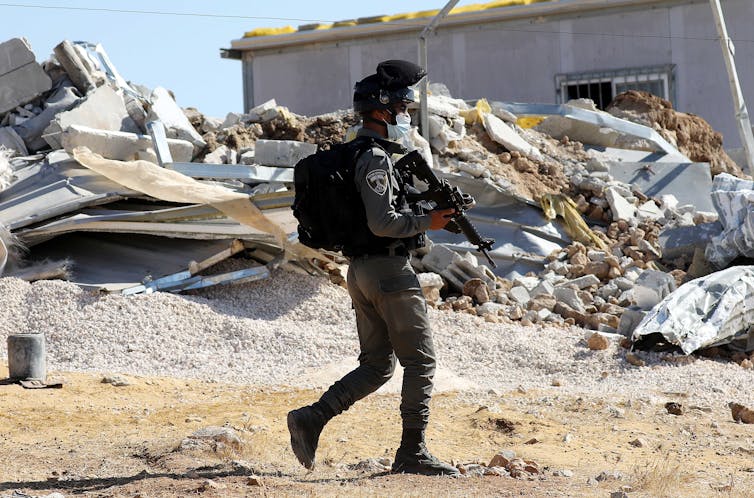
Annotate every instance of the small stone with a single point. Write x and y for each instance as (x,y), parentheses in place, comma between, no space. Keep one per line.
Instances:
(563,473)
(597,342)
(674,408)
(568,438)
(209,484)
(747,364)
(741,414)
(477,290)
(634,360)
(638,442)
(116,380)
(500,460)
(254,481)
(533,441)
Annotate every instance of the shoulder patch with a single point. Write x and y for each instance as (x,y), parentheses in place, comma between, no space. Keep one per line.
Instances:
(377,181)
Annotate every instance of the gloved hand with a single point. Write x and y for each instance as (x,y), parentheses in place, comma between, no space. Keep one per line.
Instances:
(440,218)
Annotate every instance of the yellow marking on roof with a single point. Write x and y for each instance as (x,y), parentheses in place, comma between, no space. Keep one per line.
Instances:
(474,7)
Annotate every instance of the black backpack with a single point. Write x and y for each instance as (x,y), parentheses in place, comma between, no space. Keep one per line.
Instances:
(327,205)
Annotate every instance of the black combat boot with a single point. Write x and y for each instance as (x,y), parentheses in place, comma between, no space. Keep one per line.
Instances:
(305,426)
(413,457)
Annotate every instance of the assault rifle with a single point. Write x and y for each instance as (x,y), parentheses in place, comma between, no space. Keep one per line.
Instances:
(444,196)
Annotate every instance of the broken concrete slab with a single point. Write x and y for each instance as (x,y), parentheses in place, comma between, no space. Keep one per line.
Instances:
(121,145)
(621,208)
(164,108)
(599,120)
(690,183)
(21,78)
(71,61)
(102,109)
(507,137)
(282,152)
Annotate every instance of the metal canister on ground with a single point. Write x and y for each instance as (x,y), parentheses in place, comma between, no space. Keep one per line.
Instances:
(27,357)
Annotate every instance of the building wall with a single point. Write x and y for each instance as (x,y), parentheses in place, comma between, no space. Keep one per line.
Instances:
(518,61)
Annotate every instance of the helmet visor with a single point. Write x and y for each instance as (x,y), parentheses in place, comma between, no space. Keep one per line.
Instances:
(403,95)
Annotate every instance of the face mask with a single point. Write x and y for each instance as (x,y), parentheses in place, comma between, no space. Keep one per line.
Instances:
(401,127)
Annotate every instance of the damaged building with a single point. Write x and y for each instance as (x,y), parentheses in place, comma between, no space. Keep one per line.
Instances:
(514,50)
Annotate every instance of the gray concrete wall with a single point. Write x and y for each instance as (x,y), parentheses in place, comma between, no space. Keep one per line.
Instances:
(518,61)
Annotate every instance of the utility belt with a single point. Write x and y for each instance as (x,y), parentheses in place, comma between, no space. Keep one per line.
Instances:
(388,251)
(394,247)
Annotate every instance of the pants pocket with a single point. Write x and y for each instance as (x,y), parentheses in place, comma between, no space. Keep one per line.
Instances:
(400,283)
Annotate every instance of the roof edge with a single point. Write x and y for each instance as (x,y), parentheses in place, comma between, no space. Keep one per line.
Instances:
(509,13)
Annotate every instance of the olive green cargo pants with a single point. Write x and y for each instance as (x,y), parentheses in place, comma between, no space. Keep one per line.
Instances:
(391,318)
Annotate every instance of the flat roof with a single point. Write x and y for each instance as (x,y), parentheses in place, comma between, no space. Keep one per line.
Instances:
(496,11)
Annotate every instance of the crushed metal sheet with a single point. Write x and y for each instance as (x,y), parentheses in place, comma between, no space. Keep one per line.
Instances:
(254,173)
(216,227)
(55,187)
(709,311)
(194,222)
(733,199)
(690,183)
(524,235)
(112,262)
(172,186)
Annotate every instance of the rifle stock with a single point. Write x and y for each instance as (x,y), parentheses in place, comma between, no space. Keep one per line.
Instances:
(445,196)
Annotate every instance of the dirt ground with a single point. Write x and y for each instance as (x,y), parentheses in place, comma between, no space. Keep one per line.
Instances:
(94,439)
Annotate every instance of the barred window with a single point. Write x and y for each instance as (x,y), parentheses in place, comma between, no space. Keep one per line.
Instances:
(602,86)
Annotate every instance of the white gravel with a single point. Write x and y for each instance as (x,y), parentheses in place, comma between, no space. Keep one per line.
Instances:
(298,330)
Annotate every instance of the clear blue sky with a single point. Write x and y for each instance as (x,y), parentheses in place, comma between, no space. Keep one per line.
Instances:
(179,52)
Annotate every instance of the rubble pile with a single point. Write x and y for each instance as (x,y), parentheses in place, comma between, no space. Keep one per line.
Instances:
(589,208)
(691,134)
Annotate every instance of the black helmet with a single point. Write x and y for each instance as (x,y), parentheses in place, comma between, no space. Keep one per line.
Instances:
(389,85)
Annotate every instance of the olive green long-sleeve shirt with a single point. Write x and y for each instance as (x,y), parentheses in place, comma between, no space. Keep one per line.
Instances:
(378,187)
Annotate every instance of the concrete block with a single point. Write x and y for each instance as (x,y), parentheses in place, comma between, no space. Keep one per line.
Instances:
(528,282)
(282,152)
(569,297)
(489,308)
(621,208)
(15,53)
(10,140)
(507,136)
(439,258)
(262,112)
(474,169)
(630,319)
(543,288)
(102,109)
(500,112)
(442,106)
(22,85)
(122,146)
(582,282)
(649,211)
(520,295)
(651,287)
(177,125)
(220,155)
(683,240)
(231,119)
